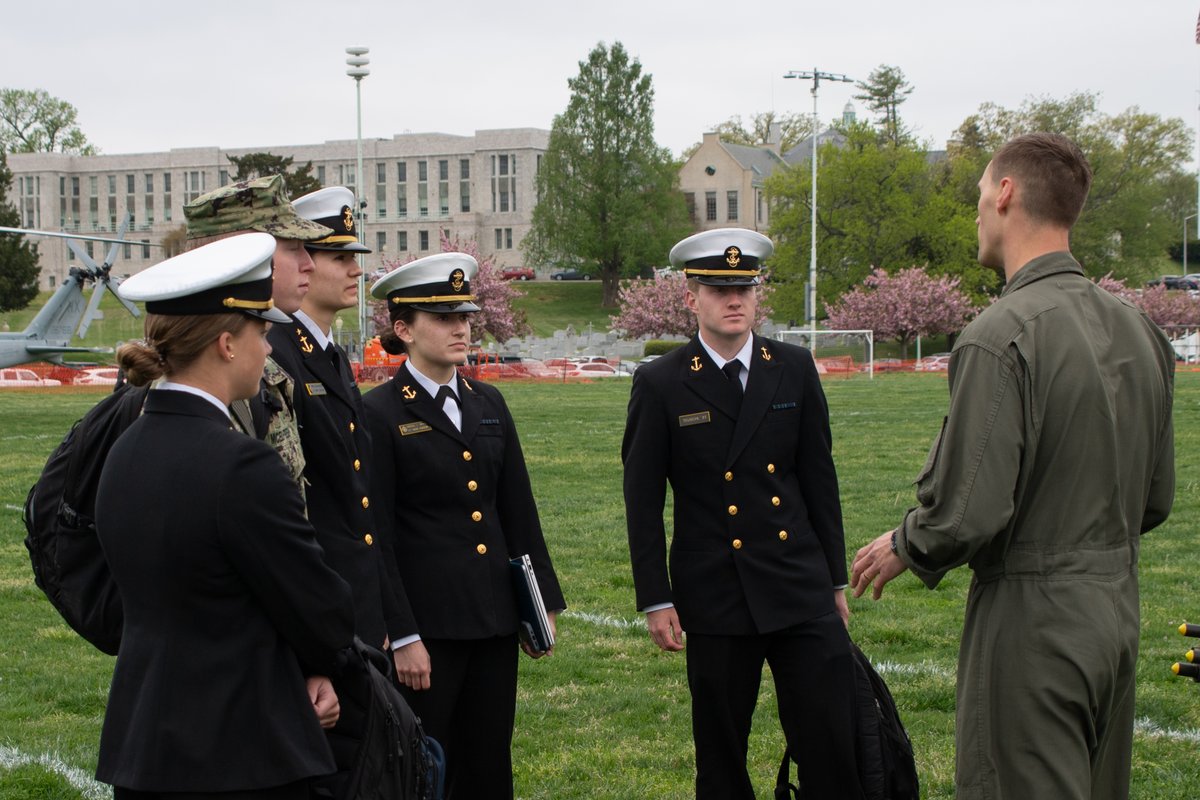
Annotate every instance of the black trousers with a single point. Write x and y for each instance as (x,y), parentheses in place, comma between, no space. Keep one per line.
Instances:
(469,708)
(292,791)
(814,683)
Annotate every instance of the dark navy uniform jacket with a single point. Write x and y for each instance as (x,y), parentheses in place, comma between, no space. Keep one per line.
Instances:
(228,605)
(758,541)
(458,506)
(337,455)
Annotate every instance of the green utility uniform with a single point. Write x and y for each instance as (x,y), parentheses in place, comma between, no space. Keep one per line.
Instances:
(1057,454)
(282,433)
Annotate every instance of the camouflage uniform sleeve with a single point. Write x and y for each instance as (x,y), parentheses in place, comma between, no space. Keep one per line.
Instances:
(282,432)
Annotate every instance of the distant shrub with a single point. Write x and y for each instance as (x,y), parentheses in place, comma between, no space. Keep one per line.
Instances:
(660,347)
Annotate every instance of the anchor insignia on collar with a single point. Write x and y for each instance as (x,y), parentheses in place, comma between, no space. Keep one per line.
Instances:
(409,393)
(766,354)
(305,344)
(696,365)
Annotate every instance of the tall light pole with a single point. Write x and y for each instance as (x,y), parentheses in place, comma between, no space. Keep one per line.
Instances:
(1185,222)
(358,62)
(815,75)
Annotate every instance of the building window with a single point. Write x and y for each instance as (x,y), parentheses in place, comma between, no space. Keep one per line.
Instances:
(145,248)
(464,184)
(380,201)
(499,238)
(167,197)
(131,205)
(443,187)
(149,183)
(423,190)
(504,182)
(130,185)
(193,185)
(223,178)
(760,206)
(504,238)
(380,241)
(508,238)
(321,174)
(149,214)
(402,189)
(690,199)
(128,251)
(112,184)
(731,201)
(424,238)
(710,206)
(112,212)
(401,242)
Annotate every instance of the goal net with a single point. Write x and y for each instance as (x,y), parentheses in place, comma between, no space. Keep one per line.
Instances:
(836,352)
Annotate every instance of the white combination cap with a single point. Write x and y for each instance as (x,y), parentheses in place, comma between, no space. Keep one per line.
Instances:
(439,283)
(227,275)
(723,256)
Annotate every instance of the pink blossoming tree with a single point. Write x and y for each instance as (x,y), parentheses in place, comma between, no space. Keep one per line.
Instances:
(903,306)
(493,295)
(655,307)
(1166,307)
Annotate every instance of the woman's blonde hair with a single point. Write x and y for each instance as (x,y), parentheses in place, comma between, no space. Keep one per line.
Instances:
(172,343)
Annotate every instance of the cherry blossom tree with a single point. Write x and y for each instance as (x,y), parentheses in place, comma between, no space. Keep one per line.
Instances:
(656,308)
(903,306)
(494,296)
(1165,307)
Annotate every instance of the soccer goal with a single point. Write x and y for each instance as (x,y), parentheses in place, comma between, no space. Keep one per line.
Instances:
(836,352)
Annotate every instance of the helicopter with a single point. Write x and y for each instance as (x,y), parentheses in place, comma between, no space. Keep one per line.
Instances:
(48,335)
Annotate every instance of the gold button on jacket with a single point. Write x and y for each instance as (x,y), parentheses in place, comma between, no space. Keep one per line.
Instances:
(775,501)
(733,511)
(737,544)
(467,455)
(369,539)
(783,536)
(476,516)
(481,549)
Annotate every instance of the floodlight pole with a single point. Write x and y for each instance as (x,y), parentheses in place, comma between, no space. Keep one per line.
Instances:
(815,75)
(358,62)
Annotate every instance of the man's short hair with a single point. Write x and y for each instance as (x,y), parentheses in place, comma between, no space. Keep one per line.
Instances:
(1052,174)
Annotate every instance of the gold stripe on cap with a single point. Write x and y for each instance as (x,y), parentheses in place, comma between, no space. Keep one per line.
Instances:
(725,272)
(335,240)
(437,298)
(261,305)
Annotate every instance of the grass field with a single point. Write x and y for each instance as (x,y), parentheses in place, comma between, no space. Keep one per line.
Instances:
(608,715)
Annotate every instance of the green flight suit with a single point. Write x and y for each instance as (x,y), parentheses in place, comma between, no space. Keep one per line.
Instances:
(1056,455)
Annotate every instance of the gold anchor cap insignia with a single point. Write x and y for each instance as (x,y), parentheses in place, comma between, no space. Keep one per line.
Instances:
(457,279)
(348,218)
(766,354)
(408,393)
(696,365)
(733,256)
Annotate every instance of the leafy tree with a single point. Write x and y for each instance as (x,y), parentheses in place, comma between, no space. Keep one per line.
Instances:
(18,256)
(35,122)
(298,181)
(883,91)
(1134,211)
(655,307)
(794,128)
(903,306)
(494,296)
(608,195)
(175,241)
(880,204)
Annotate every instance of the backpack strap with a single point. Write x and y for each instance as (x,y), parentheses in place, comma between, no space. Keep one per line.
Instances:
(784,789)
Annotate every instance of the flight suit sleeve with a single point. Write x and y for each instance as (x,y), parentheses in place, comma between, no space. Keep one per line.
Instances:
(965,490)
(1162,482)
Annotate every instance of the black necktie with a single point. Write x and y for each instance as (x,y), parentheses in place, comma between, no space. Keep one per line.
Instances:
(443,393)
(733,371)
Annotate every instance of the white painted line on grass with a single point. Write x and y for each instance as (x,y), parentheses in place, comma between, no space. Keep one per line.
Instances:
(605,620)
(90,789)
(1147,727)
(11,507)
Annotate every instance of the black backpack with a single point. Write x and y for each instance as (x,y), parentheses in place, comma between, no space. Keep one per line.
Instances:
(886,767)
(59,516)
(395,759)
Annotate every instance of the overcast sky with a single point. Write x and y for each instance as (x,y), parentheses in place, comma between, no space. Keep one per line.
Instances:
(256,73)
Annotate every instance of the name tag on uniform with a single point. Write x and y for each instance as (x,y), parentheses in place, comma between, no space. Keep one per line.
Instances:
(315,389)
(699,418)
(410,428)
(782,406)
(489,421)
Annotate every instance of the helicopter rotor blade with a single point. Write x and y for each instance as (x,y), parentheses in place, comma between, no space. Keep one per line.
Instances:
(113,283)
(93,307)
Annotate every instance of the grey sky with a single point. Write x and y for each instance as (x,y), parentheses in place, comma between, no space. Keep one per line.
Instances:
(155,76)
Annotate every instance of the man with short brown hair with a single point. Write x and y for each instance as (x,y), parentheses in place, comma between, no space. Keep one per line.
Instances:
(1056,455)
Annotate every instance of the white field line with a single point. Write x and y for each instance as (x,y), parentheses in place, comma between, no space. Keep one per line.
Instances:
(90,788)
(11,507)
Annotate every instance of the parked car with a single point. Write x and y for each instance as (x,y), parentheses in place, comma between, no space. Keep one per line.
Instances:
(25,377)
(97,376)
(1186,282)
(518,274)
(594,369)
(938,362)
(570,275)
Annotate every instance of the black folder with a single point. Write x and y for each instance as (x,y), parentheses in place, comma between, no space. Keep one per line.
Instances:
(535,625)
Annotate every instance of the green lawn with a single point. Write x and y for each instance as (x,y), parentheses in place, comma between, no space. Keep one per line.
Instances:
(608,715)
(550,306)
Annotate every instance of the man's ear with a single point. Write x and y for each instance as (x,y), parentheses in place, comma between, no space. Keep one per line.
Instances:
(1004,197)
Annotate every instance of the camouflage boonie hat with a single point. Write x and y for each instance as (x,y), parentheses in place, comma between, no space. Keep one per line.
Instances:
(260,204)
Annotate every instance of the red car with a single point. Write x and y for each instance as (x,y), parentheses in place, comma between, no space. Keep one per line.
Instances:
(517,274)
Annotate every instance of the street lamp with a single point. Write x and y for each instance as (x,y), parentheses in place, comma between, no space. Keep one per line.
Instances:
(1185,221)
(816,76)
(358,62)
